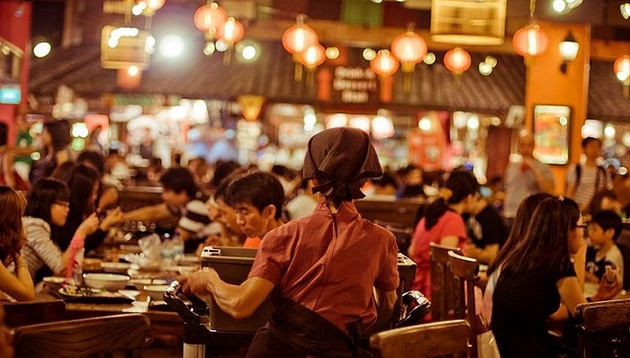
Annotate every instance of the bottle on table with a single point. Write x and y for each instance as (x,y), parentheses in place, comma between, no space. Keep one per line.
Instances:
(74,272)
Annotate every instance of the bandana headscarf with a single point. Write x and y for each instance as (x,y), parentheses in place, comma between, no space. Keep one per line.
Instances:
(340,159)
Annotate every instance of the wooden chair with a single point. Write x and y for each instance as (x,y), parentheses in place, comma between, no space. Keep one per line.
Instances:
(444,292)
(603,329)
(83,337)
(437,339)
(27,313)
(466,272)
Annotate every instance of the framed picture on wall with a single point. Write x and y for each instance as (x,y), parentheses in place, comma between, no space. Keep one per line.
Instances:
(551,133)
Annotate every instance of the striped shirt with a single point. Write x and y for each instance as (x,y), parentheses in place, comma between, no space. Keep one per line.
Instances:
(40,250)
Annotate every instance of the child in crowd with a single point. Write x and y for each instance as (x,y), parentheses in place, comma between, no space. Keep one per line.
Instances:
(16,283)
(603,229)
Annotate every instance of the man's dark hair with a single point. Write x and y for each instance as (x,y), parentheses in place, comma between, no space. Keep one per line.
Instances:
(608,219)
(259,189)
(179,179)
(94,159)
(586,141)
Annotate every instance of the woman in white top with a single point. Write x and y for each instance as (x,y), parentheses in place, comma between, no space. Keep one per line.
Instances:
(48,205)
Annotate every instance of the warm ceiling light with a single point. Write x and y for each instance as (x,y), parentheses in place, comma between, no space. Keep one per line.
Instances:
(569,48)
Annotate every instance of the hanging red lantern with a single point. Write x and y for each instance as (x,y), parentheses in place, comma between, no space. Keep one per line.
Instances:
(231,32)
(299,37)
(457,60)
(313,56)
(622,68)
(530,40)
(384,64)
(210,17)
(409,48)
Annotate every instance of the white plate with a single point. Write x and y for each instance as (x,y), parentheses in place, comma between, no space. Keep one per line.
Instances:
(54,280)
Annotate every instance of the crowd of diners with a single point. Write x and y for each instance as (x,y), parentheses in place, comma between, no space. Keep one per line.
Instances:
(317,257)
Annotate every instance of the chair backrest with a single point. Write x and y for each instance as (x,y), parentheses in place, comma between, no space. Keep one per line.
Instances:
(604,329)
(83,337)
(27,313)
(444,291)
(466,272)
(437,339)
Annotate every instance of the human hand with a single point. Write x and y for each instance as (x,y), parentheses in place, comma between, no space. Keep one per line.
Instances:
(609,286)
(113,218)
(88,226)
(199,282)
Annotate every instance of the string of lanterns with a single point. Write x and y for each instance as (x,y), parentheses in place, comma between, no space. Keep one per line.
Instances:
(213,21)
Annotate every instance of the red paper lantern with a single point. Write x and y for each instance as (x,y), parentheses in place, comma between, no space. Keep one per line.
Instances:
(457,60)
(298,38)
(384,64)
(622,67)
(231,32)
(313,56)
(409,48)
(210,17)
(530,40)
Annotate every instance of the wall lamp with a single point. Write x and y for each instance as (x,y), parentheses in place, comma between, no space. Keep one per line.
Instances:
(569,48)
(624,9)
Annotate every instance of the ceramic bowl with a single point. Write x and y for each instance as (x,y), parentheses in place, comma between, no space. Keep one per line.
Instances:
(107,281)
(115,267)
(53,282)
(156,291)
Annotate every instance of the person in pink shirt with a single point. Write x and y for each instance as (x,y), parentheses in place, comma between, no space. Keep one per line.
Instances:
(442,224)
(321,270)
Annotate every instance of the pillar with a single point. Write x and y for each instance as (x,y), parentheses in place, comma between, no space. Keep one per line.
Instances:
(545,84)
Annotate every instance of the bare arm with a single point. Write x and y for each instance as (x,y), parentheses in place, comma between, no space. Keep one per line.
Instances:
(485,255)
(387,299)
(450,241)
(19,286)
(239,301)
(158,212)
(545,184)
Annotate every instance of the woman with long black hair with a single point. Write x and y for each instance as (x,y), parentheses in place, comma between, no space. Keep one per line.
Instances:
(442,224)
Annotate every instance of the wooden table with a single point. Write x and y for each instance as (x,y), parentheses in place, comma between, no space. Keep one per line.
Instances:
(163,322)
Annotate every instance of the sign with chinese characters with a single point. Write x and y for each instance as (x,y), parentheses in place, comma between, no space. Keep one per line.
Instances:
(355,84)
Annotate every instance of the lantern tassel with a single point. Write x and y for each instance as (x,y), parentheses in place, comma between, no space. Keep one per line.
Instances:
(298,72)
(407,82)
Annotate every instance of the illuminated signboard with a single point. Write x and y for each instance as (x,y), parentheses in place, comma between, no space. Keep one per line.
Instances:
(122,47)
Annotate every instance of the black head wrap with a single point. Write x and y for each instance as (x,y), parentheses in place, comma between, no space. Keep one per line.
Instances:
(341,159)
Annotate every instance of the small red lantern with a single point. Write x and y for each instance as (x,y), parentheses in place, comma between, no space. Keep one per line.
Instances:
(384,64)
(210,17)
(313,56)
(298,38)
(457,60)
(409,48)
(530,40)
(231,32)
(622,68)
